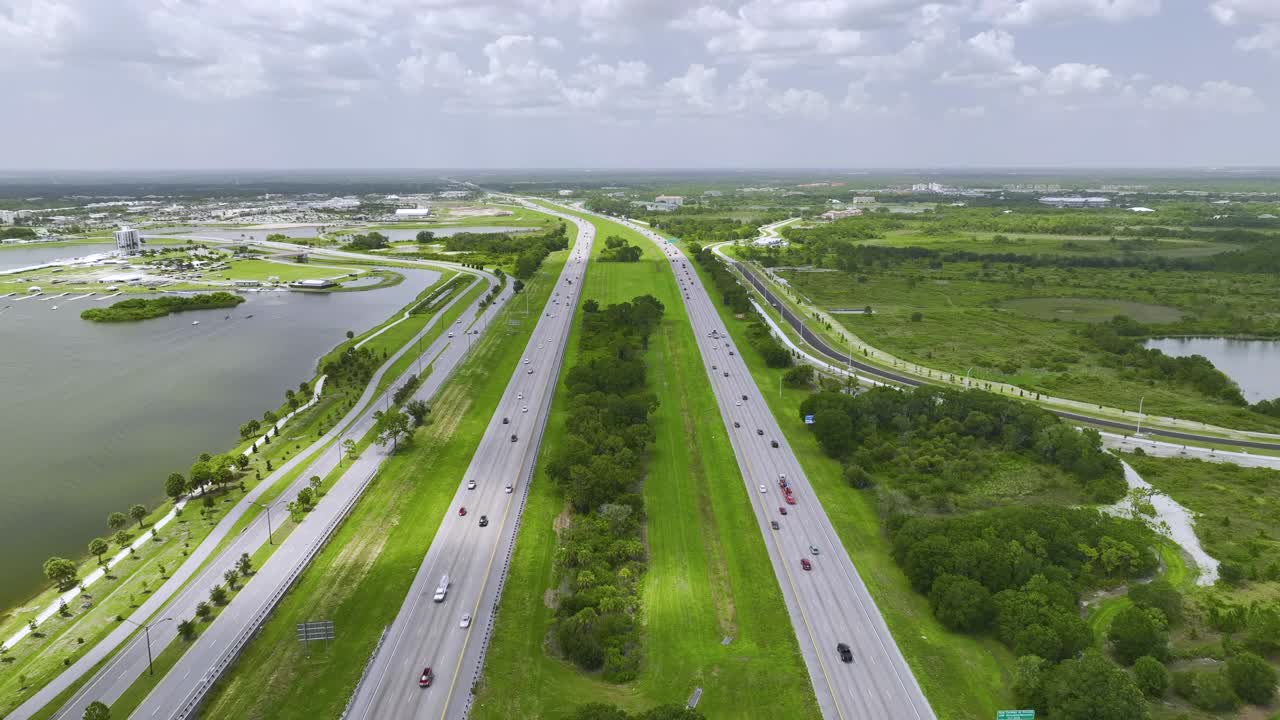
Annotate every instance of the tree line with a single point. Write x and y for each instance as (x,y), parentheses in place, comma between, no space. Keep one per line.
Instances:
(617,249)
(600,468)
(147,308)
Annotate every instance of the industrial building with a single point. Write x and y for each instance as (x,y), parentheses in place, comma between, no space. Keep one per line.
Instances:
(128,241)
(1076,202)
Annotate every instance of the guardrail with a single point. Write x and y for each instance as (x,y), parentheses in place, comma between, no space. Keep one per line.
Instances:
(368,664)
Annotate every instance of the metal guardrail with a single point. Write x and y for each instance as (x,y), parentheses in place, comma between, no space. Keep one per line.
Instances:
(367,665)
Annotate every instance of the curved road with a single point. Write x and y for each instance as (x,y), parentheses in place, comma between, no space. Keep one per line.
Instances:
(828,604)
(825,348)
(427,633)
(177,598)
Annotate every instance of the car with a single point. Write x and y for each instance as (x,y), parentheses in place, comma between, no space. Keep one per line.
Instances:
(846,655)
(513,437)
(737,424)
(782,477)
(450,334)
(471,485)
(425,679)
(744,397)
(462,510)
(773,443)
(524,409)
(759,431)
(726,373)
(730,352)
(526,361)
(713,367)
(506,421)
(791,499)
(484,521)
(782,510)
(764,489)
(508,488)
(805,564)
(466,621)
(737,403)
(813,549)
(519,396)
(530,371)
(774,524)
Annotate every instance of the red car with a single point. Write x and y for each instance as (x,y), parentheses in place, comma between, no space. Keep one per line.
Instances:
(462,510)
(791,499)
(427,677)
(804,563)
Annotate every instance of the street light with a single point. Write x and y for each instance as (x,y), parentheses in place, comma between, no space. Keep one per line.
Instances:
(146,630)
(1140,400)
(270,536)
(966,377)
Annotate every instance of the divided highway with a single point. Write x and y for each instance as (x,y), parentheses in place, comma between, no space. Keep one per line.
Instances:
(432,634)
(176,600)
(828,604)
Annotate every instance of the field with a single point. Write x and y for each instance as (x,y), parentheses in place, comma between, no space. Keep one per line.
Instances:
(709,576)
(360,579)
(962,676)
(1037,244)
(1019,325)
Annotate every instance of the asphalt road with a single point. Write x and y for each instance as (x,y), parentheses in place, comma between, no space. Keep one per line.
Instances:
(172,600)
(475,559)
(825,348)
(828,604)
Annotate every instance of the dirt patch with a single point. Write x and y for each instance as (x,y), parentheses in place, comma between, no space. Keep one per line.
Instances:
(551,599)
(562,520)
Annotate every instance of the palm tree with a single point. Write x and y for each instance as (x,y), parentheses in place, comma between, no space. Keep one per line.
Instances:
(117,520)
(138,512)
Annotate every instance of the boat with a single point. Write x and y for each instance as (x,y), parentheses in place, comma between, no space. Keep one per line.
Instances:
(195,322)
(55,307)
(246,317)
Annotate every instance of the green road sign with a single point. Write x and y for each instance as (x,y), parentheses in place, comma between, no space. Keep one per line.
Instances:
(1015,715)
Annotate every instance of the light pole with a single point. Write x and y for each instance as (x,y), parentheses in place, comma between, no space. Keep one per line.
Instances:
(966,377)
(1140,400)
(146,631)
(270,536)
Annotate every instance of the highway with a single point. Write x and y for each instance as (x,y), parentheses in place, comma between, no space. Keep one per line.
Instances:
(177,598)
(828,604)
(825,348)
(427,633)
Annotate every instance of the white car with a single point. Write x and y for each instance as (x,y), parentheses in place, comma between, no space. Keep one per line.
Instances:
(524,409)
(519,396)
(508,488)
(526,361)
(764,489)
(450,334)
(471,485)
(466,621)
(738,403)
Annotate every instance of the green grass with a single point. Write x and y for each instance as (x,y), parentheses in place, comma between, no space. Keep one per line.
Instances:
(286,271)
(360,579)
(1008,326)
(962,676)
(709,574)
(1035,244)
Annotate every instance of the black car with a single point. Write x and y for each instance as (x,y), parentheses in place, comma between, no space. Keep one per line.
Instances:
(744,397)
(846,655)
(773,524)
(737,424)
(773,443)
(759,431)
(484,520)
(505,421)
(513,438)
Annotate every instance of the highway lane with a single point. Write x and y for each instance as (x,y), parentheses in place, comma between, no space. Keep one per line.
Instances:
(427,633)
(825,348)
(828,604)
(173,600)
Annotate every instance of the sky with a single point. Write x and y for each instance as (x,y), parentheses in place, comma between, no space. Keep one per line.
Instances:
(144,84)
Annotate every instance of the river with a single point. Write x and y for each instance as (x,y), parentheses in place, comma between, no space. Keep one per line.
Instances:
(1253,364)
(93,417)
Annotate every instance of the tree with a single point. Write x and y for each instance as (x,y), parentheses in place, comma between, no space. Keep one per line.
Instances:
(117,520)
(203,610)
(122,538)
(244,564)
(306,498)
(269,417)
(800,376)
(1152,677)
(349,448)
(175,485)
(1030,675)
(139,513)
(857,477)
(314,483)
(218,595)
(418,410)
(834,432)
(187,629)
(249,429)
(1137,631)
(1091,688)
(61,571)
(1159,594)
(390,425)
(231,576)
(961,603)
(97,710)
(1211,690)
(98,547)
(598,711)
(424,237)
(1253,678)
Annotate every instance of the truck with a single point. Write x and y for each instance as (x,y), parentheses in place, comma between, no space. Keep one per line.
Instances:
(442,589)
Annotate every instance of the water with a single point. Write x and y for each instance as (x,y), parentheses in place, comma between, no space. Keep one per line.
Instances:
(310,231)
(93,416)
(27,255)
(1253,364)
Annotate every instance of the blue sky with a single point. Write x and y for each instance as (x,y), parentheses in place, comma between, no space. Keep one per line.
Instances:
(638,83)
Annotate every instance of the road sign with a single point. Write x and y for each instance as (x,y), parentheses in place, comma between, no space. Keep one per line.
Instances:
(1015,715)
(808,419)
(319,630)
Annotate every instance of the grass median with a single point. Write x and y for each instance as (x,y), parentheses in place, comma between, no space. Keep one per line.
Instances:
(708,577)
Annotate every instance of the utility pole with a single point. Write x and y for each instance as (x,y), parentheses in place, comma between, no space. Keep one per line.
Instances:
(271,540)
(146,631)
(1140,401)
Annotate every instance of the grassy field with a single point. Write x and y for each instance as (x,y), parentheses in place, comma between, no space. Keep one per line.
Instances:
(1019,326)
(709,575)
(962,676)
(359,580)
(1034,244)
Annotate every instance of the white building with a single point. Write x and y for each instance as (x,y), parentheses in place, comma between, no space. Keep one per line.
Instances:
(564,193)
(128,241)
(676,200)
(1076,202)
(1141,209)
(412,212)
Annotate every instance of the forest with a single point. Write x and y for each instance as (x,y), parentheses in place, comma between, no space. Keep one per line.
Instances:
(147,308)
(600,469)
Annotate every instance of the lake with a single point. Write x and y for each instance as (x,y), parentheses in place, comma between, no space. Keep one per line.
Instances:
(93,417)
(1253,364)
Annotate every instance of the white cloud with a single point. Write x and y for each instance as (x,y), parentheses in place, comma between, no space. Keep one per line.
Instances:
(1027,12)
(37,26)
(968,111)
(1262,15)
(1070,78)
(1212,96)
(805,103)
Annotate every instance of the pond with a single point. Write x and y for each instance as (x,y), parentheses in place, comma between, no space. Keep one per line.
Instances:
(93,416)
(1253,364)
